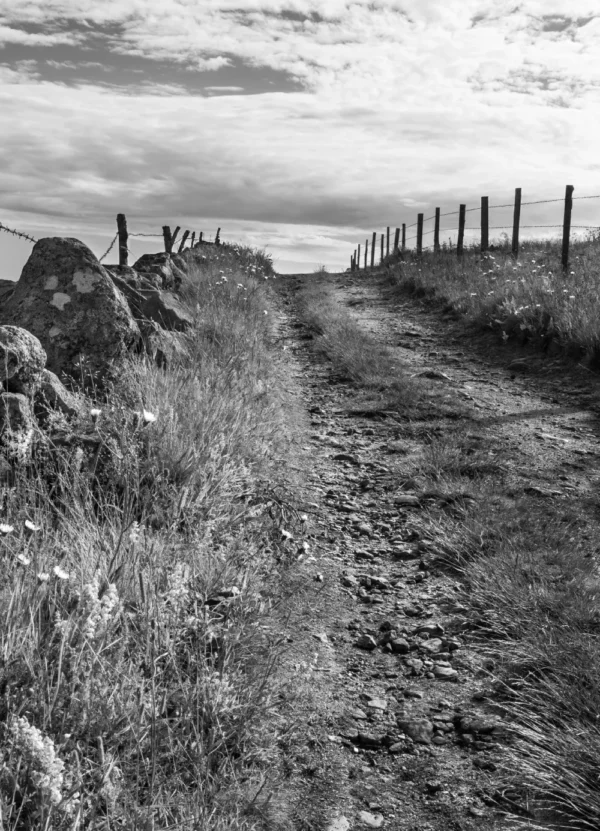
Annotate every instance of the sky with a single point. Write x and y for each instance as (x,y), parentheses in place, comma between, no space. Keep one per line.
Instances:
(296,126)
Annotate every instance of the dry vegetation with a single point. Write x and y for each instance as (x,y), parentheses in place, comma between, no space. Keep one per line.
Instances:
(136,654)
(529,572)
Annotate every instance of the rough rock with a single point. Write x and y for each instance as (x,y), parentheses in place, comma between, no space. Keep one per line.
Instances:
(69,301)
(15,413)
(164,347)
(171,269)
(366,642)
(22,359)
(370,820)
(147,301)
(420,730)
(6,289)
(53,395)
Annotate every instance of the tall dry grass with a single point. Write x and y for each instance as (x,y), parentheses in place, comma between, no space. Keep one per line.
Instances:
(135,654)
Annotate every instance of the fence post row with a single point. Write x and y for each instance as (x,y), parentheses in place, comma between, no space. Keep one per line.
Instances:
(122,231)
(436,231)
(462,214)
(567,226)
(516,220)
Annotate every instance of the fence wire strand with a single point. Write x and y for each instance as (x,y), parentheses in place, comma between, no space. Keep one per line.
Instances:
(16,233)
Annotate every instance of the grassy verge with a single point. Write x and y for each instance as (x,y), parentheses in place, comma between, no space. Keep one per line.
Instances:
(530,581)
(136,656)
(528,298)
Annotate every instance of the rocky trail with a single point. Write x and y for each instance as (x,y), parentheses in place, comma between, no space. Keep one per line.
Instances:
(399,728)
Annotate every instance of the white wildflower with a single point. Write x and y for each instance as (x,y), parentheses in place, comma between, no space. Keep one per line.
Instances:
(43,576)
(23,559)
(95,412)
(97,612)
(31,527)
(135,533)
(60,573)
(148,417)
(6,529)
(44,767)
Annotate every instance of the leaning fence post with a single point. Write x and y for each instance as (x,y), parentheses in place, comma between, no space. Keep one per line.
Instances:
(462,213)
(173,238)
(183,241)
(218,237)
(193,238)
(419,234)
(403,235)
(516,220)
(373,244)
(436,231)
(122,231)
(366,251)
(167,238)
(485,224)
(567,226)
(396,239)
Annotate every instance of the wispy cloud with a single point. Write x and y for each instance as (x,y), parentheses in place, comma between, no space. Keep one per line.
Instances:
(341,114)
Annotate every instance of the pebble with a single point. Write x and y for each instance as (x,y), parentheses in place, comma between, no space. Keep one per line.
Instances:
(366,642)
(370,820)
(339,824)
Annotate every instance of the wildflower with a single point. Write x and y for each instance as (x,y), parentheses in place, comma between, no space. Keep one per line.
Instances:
(60,573)
(286,534)
(44,767)
(134,534)
(6,529)
(23,559)
(148,417)
(31,527)
(571,297)
(43,576)
(265,312)
(95,413)
(473,294)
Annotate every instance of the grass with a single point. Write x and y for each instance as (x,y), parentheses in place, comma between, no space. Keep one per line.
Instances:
(528,298)
(528,566)
(137,660)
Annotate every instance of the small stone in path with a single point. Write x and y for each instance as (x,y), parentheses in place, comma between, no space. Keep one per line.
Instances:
(377,703)
(443,673)
(339,824)
(371,820)
(420,730)
(366,642)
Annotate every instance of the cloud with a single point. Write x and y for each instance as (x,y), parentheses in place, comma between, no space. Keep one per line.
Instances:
(397,107)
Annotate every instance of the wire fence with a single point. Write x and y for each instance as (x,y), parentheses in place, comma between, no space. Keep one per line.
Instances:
(123,235)
(401,240)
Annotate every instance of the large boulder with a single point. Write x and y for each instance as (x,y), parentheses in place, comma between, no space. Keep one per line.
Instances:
(22,360)
(171,268)
(69,301)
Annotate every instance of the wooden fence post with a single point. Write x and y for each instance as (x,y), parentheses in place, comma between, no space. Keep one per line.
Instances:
(358,258)
(200,237)
(193,238)
(516,220)
(462,213)
(122,231)
(419,234)
(381,260)
(366,251)
(183,241)
(218,237)
(387,252)
(485,224)
(567,226)
(403,235)
(373,244)
(173,238)
(396,240)
(436,231)
(167,238)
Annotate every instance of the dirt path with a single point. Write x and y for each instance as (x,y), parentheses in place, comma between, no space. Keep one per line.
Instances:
(398,730)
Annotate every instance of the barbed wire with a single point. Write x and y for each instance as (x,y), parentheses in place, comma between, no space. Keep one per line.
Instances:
(16,233)
(145,235)
(108,250)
